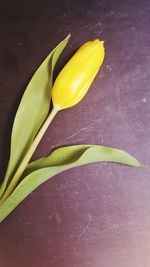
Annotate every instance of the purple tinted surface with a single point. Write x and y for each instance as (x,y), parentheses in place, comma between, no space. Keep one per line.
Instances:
(97,215)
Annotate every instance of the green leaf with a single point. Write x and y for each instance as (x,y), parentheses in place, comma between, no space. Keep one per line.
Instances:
(58,161)
(32,111)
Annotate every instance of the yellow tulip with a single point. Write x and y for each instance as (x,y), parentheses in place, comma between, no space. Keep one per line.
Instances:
(76,77)
(69,88)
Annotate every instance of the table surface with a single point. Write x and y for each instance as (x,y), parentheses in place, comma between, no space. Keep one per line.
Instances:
(96,215)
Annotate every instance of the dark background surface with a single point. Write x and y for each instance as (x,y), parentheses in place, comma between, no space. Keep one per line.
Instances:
(96,215)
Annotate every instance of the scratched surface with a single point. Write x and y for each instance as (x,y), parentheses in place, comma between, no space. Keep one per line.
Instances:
(92,216)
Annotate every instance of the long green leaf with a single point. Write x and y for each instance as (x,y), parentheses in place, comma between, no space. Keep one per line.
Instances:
(32,111)
(60,160)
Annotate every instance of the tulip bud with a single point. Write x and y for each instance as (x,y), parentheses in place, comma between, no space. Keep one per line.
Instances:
(76,77)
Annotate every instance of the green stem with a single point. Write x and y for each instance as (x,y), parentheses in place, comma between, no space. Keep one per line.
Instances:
(28,156)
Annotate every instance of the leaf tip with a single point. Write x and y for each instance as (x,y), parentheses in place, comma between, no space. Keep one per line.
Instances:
(68,36)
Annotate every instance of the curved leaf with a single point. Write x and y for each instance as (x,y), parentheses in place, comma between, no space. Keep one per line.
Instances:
(58,157)
(60,160)
(32,111)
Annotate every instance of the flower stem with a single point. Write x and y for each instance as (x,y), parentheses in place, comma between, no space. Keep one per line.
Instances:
(28,156)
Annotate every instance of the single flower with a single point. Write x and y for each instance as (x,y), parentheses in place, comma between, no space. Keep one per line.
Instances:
(76,77)
(69,88)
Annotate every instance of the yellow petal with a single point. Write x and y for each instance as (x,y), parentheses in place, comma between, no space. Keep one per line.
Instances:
(76,77)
